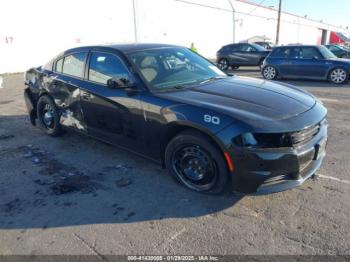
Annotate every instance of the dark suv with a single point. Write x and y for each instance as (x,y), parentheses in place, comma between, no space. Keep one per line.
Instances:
(236,55)
(306,61)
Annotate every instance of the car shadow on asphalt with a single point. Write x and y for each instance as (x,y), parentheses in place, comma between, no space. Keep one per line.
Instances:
(76,180)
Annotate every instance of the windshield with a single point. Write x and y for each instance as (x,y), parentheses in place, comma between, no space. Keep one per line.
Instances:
(343,48)
(259,47)
(326,53)
(168,68)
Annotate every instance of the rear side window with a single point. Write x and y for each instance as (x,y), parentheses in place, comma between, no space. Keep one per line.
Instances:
(59,65)
(105,66)
(74,64)
(234,48)
(305,53)
(226,48)
(281,52)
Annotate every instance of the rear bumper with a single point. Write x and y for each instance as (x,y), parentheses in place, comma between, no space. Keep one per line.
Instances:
(30,106)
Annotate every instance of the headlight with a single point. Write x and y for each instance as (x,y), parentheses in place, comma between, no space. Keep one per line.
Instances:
(251,140)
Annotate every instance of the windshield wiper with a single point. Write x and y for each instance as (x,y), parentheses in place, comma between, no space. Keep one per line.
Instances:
(184,85)
(212,79)
(191,84)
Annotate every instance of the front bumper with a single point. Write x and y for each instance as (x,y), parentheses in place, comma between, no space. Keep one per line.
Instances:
(265,171)
(268,188)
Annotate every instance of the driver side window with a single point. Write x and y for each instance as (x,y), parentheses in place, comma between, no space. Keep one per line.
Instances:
(104,66)
(247,48)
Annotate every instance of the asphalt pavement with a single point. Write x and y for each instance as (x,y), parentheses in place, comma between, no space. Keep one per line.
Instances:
(76,195)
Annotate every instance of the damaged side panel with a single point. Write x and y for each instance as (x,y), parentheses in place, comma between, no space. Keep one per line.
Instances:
(66,94)
(64,91)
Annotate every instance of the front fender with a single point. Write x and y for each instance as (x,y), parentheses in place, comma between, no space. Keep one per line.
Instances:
(204,119)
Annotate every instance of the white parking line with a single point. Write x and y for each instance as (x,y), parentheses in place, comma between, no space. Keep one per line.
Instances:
(328,99)
(334,178)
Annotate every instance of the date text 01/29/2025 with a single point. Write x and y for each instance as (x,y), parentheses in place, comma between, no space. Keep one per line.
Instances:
(173,258)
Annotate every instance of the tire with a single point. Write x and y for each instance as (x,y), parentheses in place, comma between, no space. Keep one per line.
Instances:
(223,64)
(48,116)
(338,76)
(269,72)
(194,161)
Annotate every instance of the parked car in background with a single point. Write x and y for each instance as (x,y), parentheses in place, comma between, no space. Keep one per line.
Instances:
(339,51)
(243,54)
(306,61)
(266,45)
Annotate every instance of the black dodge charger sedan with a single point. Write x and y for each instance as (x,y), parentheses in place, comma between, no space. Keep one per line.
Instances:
(172,106)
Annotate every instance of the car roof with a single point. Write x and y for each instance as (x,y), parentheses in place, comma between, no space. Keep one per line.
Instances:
(234,44)
(124,48)
(296,45)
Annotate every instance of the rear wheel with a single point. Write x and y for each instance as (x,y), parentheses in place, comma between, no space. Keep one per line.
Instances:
(197,163)
(269,72)
(338,76)
(223,64)
(48,116)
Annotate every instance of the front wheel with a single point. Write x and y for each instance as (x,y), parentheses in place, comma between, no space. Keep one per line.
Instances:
(269,73)
(338,76)
(197,163)
(48,116)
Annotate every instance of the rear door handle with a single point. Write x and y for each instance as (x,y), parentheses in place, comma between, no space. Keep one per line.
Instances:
(86,96)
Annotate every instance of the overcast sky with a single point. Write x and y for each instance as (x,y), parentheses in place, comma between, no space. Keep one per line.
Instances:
(336,12)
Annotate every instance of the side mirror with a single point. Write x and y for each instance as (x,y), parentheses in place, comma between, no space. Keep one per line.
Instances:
(119,83)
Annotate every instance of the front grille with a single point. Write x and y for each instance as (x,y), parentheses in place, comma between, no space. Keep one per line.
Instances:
(278,176)
(305,135)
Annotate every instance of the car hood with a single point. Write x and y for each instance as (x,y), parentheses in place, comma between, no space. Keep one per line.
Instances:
(247,98)
(340,60)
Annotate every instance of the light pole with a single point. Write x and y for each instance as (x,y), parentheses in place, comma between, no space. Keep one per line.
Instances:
(278,22)
(233,21)
(135,19)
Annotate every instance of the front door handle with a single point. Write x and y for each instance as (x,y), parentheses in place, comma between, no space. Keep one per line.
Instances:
(86,96)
